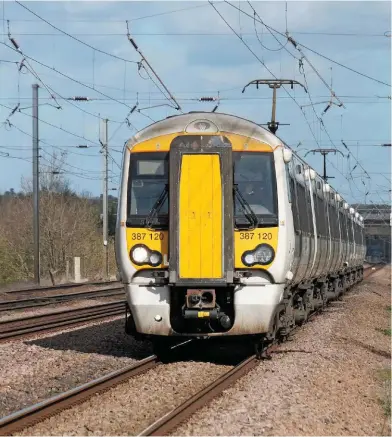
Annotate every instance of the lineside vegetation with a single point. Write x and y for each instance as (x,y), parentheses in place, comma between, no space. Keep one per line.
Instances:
(70,226)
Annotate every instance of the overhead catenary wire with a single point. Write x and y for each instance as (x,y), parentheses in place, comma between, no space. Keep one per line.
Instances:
(115,21)
(207,34)
(66,152)
(29,67)
(282,46)
(302,71)
(70,78)
(222,99)
(197,99)
(314,51)
(303,56)
(323,125)
(258,58)
(80,83)
(55,126)
(135,46)
(98,172)
(95,49)
(73,37)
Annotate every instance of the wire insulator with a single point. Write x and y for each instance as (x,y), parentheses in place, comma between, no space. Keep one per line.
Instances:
(207,99)
(15,109)
(294,43)
(80,99)
(21,64)
(133,43)
(14,43)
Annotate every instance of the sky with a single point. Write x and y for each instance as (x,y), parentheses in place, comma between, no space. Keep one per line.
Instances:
(196,54)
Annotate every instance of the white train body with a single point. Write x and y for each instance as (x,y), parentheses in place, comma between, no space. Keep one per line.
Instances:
(196,261)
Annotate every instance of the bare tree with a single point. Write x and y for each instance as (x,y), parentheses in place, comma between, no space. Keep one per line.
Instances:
(69,227)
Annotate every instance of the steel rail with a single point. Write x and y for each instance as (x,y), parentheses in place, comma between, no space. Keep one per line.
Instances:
(42,410)
(17,304)
(369,270)
(61,286)
(14,328)
(176,416)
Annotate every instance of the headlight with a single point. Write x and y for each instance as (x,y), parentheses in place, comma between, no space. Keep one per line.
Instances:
(141,255)
(262,254)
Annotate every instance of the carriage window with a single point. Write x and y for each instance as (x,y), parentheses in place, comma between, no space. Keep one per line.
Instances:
(147,187)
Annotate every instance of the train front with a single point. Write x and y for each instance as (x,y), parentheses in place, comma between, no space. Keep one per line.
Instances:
(197,230)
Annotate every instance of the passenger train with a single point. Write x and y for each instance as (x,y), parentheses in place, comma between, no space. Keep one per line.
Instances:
(223,230)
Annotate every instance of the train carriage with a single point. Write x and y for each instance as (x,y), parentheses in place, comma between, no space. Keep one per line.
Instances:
(222,230)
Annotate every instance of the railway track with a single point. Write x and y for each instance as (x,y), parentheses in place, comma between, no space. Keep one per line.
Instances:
(371,270)
(61,286)
(22,327)
(38,412)
(42,410)
(20,304)
(175,417)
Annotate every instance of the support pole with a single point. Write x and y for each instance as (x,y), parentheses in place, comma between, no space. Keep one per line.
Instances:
(273,115)
(104,142)
(325,166)
(37,277)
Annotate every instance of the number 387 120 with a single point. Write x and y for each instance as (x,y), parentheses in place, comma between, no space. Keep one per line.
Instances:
(255,236)
(144,236)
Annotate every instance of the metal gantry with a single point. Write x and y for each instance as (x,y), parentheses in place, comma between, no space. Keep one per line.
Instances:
(273,125)
(325,152)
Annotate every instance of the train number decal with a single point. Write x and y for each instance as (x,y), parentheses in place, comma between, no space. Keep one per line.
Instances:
(255,236)
(139,236)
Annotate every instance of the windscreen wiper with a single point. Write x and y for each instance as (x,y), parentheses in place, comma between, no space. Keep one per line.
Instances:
(246,208)
(157,207)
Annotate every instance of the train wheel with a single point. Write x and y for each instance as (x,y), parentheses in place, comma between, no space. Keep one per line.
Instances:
(260,348)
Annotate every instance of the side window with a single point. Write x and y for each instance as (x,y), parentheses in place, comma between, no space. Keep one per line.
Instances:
(343,225)
(322,217)
(350,230)
(294,204)
(332,220)
(303,208)
(337,221)
(316,212)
